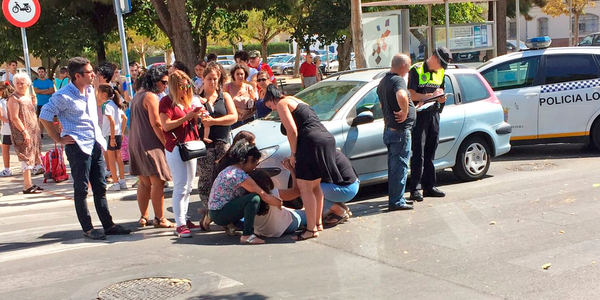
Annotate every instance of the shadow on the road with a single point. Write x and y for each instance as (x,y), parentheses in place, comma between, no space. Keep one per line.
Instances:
(217,237)
(548,151)
(31,202)
(240,295)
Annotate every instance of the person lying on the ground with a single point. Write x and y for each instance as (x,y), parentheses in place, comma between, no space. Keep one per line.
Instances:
(234,194)
(335,210)
(270,221)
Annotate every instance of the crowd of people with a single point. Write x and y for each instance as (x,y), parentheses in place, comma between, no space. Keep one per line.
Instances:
(89,110)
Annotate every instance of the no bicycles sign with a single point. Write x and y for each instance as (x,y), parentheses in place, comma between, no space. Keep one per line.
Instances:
(21,13)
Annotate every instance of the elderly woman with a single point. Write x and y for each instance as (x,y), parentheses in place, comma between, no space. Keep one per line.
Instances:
(312,154)
(222,114)
(235,194)
(25,132)
(242,93)
(179,119)
(147,147)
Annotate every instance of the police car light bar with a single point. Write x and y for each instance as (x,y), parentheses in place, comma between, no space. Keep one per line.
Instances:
(541,42)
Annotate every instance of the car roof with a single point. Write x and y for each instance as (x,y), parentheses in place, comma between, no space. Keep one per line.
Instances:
(547,51)
(370,74)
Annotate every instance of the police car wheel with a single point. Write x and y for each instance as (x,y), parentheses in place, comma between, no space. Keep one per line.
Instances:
(595,135)
(473,159)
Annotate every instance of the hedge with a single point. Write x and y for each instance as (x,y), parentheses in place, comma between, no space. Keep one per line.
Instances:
(271,48)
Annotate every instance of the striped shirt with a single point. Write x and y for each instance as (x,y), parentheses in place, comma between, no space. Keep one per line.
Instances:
(78,115)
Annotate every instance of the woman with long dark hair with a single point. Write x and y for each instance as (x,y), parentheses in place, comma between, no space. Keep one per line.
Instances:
(147,146)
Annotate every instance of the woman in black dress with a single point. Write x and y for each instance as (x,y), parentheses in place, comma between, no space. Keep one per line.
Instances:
(313,154)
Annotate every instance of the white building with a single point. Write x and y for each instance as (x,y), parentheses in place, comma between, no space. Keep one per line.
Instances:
(557,28)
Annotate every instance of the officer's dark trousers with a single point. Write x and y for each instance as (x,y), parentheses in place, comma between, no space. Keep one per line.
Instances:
(425,135)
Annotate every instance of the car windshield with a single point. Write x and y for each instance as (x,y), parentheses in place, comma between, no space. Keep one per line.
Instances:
(326,98)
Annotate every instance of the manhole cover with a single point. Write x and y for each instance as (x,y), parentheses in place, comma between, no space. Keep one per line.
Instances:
(146,288)
(537,166)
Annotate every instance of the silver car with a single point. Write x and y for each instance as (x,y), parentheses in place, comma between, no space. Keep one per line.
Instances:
(472,126)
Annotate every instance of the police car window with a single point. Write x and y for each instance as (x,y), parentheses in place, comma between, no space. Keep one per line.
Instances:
(449,89)
(471,87)
(371,102)
(570,67)
(512,74)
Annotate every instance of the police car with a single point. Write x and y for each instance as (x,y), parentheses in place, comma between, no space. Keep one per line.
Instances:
(548,94)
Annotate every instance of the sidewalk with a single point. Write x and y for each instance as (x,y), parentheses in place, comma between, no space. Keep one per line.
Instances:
(12,186)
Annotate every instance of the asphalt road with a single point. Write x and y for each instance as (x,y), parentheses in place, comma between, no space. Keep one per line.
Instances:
(537,208)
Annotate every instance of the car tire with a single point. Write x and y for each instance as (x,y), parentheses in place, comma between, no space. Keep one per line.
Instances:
(595,135)
(473,159)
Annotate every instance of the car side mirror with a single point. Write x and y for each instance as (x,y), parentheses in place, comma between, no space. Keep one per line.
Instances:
(363,118)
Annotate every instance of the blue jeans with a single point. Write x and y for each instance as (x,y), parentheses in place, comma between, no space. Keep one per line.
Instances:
(398,145)
(89,169)
(338,193)
(298,220)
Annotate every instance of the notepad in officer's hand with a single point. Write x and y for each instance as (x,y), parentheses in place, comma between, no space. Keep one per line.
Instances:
(430,101)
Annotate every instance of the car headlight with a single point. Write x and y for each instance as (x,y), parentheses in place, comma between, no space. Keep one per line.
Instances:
(267,152)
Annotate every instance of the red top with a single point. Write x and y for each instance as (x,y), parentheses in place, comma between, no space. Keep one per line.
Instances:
(182,132)
(308,70)
(263,66)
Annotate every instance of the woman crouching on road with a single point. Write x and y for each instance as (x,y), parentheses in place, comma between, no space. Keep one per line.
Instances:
(235,194)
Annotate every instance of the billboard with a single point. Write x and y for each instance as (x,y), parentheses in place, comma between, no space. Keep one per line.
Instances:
(383,36)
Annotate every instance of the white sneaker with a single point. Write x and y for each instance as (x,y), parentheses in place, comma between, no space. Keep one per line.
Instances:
(114,187)
(6,173)
(123,184)
(39,169)
(107,174)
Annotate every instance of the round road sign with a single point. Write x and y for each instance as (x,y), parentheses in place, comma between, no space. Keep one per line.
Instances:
(21,13)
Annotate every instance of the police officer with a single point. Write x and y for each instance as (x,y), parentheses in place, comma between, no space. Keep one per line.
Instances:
(426,80)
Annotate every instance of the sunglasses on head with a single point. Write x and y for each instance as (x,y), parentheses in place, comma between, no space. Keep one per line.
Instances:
(185,86)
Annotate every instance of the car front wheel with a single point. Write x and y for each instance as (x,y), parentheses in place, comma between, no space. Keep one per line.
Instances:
(473,159)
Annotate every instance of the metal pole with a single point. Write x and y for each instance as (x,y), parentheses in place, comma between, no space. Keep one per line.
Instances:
(25,51)
(571,23)
(518,19)
(447,24)
(430,34)
(495,30)
(125,59)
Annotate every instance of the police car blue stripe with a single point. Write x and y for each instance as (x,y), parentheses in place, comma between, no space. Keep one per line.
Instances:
(567,86)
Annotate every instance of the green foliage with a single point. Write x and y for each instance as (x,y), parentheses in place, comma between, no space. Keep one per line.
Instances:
(115,56)
(524,7)
(459,13)
(271,48)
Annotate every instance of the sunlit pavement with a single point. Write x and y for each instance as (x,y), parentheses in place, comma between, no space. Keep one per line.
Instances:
(528,230)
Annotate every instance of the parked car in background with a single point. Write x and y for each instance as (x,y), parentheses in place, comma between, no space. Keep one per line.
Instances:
(225,57)
(227,64)
(472,126)
(549,95)
(283,63)
(591,40)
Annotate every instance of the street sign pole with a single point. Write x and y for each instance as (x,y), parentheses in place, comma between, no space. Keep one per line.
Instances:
(26,51)
(125,59)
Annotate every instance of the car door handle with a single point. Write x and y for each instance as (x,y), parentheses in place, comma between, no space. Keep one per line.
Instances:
(530,94)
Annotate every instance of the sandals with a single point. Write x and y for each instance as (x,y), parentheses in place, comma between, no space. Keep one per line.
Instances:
(163,223)
(333,219)
(300,236)
(205,221)
(32,190)
(38,188)
(252,240)
(143,221)
(231,230)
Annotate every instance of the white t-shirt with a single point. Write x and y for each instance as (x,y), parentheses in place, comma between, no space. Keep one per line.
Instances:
(111,109)
(275,222)
(10,77)
(5,130)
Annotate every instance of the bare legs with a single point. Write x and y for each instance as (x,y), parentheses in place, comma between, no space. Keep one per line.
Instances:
(27,183)
(6,155)
(151,187)
(114,157)
(312,197)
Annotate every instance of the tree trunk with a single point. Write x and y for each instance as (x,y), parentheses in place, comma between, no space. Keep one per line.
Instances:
(576,30)
(344,50)
(501,27)
(357,34)
(263,47)
(203,46)
(100,51)
(297,61)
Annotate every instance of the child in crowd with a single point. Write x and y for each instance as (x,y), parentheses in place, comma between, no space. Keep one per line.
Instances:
(5,92)
(112,131)
(271,221)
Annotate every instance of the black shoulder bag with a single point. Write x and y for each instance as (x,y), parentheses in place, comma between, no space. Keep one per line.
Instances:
(190,149)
